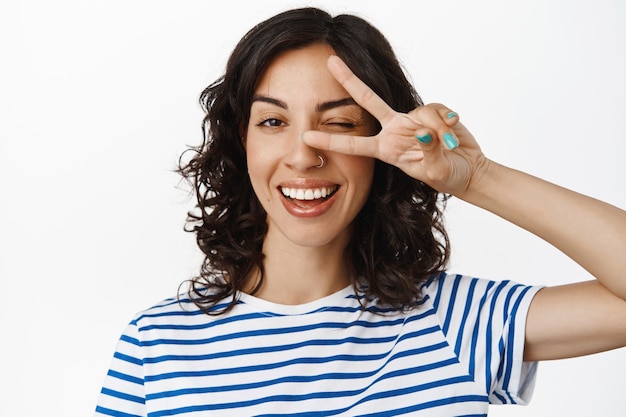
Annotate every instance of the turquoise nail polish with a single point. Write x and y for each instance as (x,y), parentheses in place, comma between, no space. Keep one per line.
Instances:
(424,138)
(452,114)
(450,142)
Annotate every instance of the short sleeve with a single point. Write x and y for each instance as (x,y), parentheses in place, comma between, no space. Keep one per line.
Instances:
(123,389)
(485,323)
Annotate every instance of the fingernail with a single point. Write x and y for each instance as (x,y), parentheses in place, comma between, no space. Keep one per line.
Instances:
(450,142)
(424,138)
(452,114)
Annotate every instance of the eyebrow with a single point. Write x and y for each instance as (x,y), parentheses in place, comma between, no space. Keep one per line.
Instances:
(348,101)
(270,100)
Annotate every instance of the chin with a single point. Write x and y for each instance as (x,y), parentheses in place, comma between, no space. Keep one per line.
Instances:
(313,241)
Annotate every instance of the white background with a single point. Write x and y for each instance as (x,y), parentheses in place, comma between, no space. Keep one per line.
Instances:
(98,98)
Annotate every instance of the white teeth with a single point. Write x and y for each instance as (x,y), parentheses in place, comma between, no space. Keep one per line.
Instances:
(308,193)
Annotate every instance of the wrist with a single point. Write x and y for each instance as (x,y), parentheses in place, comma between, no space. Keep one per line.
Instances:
(485,177)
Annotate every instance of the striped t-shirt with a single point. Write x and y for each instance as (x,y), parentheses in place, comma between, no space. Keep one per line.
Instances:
(460,350)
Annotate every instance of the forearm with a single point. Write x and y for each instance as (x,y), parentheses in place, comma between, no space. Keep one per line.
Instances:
(591,232)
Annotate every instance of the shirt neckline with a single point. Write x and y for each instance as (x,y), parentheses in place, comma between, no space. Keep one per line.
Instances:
(320,304)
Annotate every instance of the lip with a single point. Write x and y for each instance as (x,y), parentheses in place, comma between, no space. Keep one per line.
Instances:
(306,183)
(314,211)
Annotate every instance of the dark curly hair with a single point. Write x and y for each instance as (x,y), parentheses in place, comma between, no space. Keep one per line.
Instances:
(399,239)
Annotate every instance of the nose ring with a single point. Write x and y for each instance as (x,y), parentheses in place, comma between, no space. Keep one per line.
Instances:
(322,162)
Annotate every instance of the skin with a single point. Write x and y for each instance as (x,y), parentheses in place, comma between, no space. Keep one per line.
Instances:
(563,321)
(305,239)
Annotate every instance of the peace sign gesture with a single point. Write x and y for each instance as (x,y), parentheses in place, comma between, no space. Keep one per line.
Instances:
(428,143)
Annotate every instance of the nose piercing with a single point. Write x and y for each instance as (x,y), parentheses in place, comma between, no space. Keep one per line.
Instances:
(322,162)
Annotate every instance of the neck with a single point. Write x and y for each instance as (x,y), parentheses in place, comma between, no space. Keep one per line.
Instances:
(298,275)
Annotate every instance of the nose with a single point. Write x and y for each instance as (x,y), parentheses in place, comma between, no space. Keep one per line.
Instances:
(301,156)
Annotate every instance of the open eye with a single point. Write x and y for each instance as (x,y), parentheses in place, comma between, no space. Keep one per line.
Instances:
(271,122)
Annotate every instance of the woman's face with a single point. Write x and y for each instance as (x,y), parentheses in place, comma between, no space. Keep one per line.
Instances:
(306,205)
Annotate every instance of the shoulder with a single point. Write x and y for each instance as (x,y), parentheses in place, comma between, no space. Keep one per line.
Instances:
(457,292)
(177,310)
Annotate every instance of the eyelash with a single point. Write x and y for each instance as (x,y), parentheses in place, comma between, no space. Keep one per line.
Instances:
(345,125)
(270,122)
(265,121)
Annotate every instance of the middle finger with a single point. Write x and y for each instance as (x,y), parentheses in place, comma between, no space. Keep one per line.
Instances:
(360,92)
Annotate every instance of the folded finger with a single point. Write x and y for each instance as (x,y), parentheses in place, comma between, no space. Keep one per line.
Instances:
(449,116)
(439,119)
(435,168)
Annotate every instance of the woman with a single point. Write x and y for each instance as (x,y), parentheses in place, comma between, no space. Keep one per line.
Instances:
(323,290)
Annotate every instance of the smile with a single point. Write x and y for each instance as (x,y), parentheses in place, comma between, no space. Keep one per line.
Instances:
(308,193)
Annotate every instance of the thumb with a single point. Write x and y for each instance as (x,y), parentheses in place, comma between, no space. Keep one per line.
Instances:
(435,165)
(425,137)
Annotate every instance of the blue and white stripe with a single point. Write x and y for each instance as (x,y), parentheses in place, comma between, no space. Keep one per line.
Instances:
(452,356)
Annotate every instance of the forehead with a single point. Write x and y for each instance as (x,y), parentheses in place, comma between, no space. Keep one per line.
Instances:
(300,71)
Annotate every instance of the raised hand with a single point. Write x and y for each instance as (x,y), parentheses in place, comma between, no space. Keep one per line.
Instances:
(428,143)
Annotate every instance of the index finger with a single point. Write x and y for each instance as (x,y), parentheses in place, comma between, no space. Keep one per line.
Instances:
(347,144)
(360,92)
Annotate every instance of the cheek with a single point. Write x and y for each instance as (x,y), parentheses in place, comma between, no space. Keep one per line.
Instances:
(259,170)
(255,169)
(361,171)
(364,168)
